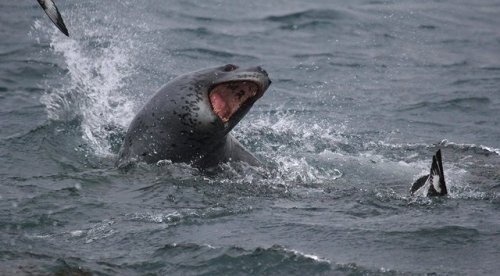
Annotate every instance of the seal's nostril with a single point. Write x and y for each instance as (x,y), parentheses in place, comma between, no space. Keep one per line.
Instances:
(230,67)
(262,70)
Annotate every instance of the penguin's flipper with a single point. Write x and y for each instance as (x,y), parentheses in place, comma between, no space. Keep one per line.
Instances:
(436,177)
(418,184)
(51,10)
(432,184)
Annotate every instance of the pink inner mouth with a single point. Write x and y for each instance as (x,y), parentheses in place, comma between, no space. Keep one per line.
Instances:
(227,98)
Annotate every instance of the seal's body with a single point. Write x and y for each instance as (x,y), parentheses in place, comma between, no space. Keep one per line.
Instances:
(189,119)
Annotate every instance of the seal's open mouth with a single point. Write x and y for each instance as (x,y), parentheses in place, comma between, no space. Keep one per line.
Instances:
(227,98)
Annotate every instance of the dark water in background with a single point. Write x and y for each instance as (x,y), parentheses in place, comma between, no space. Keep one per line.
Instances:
(363,93)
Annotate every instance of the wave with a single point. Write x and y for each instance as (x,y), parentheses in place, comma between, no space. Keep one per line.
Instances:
(204,19)
(188,214)
(314,14)
(475,81)
(203,52)
(208,259)
(440,234)
(309,19)
(468,102)
(190,259)
(485,150)
(491,68)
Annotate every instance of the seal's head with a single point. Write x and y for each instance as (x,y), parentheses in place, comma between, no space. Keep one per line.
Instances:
(225,94)
(190,116)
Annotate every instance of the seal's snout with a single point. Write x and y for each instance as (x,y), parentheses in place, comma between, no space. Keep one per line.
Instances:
(264,79)
(260,69)
(237,89)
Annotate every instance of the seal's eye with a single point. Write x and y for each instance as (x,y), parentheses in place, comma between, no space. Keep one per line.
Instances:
(230,67)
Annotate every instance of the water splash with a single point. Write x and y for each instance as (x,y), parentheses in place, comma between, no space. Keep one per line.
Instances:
(292,147)
(94,91)
(99,59)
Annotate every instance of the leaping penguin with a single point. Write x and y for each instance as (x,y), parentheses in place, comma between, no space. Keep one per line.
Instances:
(51,10)
(432,184)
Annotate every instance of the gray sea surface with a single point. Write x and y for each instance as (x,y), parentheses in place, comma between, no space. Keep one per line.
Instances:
(363,93)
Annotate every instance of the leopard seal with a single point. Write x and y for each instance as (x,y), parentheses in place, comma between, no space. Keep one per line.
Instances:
(190,118)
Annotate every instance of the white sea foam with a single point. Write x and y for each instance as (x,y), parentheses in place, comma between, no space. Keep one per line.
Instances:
(38,236)
(472,146)
(293,146)
(160,217)
(76,233)
(443,143)
(93,92)
(100,231)
(100,58)
(308,256)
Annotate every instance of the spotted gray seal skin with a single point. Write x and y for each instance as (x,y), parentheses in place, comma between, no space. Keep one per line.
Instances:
(182,122)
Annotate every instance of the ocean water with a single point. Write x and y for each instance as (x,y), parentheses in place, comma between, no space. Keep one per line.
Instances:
(363,93)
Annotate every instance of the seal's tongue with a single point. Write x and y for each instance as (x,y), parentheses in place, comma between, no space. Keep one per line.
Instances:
(227,98)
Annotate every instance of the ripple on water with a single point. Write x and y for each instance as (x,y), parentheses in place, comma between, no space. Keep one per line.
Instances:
(207,259)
